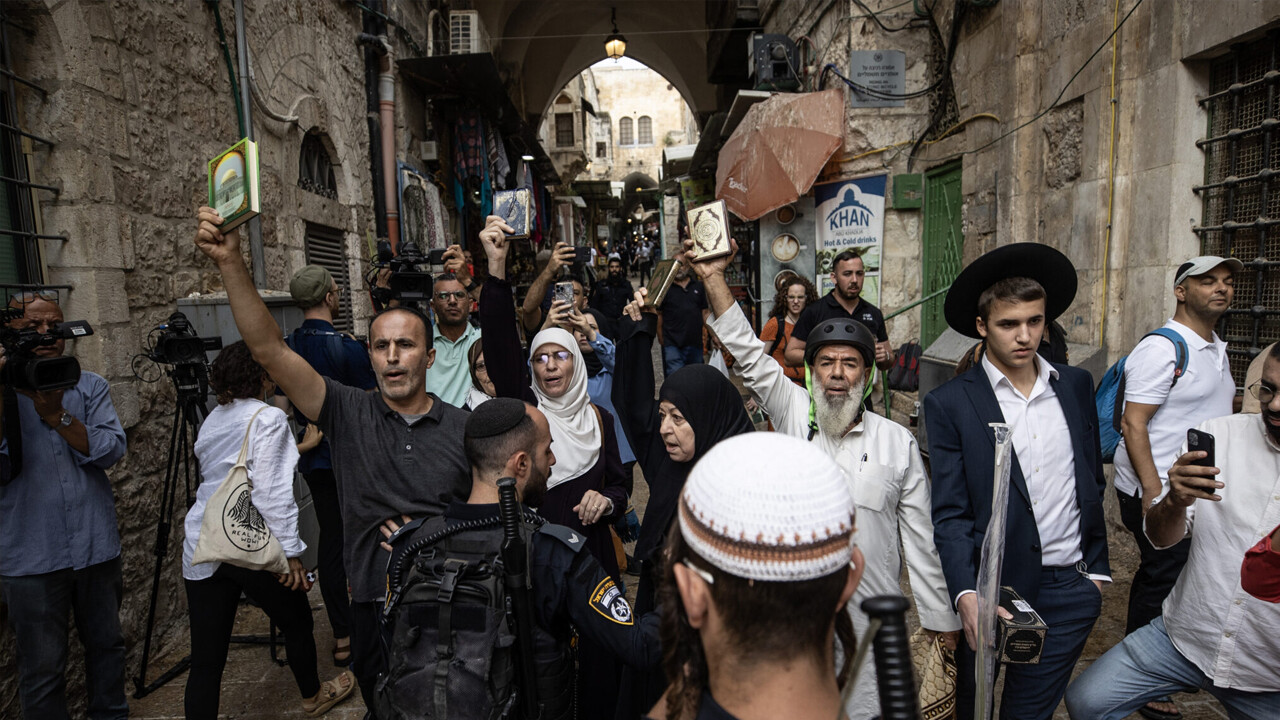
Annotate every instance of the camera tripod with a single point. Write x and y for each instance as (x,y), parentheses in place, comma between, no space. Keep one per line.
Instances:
(191,382)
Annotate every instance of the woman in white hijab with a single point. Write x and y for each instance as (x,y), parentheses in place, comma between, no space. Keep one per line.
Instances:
(585,491)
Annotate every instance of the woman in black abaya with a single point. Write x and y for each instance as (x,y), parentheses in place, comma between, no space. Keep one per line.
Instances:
(697,408)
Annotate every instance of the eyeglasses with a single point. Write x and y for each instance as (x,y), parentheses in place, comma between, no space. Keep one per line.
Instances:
(544,358)
(1264,393)
(481,368)
(711,580)
(27,296)
(445,296)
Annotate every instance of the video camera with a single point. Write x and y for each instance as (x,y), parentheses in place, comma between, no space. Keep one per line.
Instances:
(25,370)
(175,343)
(409,281)
(178,344)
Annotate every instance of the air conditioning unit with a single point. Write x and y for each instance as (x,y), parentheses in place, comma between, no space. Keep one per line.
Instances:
(466,33)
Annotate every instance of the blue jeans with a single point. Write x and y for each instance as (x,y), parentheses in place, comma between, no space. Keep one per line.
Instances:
(1145,666)
(1069,603)
(39,606)
(674,357)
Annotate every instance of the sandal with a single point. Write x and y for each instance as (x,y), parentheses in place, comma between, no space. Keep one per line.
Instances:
(1151,713)
(344,651)
(331,693)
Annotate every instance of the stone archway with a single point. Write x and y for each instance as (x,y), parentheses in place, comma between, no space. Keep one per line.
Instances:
(548,42)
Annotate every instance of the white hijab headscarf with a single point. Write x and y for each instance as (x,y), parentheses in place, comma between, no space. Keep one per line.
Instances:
(575,431)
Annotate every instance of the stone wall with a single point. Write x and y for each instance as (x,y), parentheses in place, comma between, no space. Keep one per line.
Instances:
(1051,181)
(138,101)
(873,137)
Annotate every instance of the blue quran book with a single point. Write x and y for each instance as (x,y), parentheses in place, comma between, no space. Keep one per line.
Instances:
(513,206)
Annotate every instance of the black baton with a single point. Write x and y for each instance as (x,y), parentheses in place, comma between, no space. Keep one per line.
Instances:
(894,673)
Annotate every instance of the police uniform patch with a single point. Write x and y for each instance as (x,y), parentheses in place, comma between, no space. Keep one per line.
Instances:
(609,601)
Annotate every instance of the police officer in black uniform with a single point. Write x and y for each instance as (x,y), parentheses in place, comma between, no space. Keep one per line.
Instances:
(570,590)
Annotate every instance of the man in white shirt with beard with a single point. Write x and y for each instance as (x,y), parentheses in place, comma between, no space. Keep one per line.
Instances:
(879,457)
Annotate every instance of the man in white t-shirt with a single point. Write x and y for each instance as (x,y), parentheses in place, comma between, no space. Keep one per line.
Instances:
(1157,413)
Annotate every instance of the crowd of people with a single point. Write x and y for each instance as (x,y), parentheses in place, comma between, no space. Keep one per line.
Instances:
(755,550)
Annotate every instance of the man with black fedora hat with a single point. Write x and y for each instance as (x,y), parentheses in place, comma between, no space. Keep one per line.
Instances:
(1055,550)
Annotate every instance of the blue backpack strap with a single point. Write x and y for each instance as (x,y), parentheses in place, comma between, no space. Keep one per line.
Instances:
(1183,354)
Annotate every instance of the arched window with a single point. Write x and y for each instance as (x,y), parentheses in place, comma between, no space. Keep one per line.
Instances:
(625,136)
(315,171)
(644,128)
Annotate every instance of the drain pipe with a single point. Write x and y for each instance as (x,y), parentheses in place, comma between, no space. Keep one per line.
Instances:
(387,112)
(374,28)
(255,224)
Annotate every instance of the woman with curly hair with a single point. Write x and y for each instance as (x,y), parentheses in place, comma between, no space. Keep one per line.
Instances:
(213,589)
(794,295)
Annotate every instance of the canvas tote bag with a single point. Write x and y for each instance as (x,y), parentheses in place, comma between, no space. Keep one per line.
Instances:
(233,531)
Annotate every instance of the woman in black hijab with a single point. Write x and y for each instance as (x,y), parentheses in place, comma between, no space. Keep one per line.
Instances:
(697,408)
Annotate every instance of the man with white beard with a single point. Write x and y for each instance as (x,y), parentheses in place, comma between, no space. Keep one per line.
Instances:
(879,457)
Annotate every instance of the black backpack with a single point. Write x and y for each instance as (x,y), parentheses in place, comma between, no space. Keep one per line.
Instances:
(447,600)
(905,373)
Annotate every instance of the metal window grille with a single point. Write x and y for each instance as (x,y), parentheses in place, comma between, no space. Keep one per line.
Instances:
(325,247)
(1241,191)
(19,223)
(315,170)
(564,130)
(625,135)
(644,128)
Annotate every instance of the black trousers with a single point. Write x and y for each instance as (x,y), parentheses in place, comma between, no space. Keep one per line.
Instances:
(333,575)
(367,658)
(211,604)
(1157,571)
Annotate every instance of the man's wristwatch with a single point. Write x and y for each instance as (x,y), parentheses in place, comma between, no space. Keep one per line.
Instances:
(64,420)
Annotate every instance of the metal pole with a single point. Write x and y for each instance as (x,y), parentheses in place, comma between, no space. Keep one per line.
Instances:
(255,224)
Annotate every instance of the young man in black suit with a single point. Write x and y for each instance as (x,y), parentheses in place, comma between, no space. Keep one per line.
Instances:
(1055,548)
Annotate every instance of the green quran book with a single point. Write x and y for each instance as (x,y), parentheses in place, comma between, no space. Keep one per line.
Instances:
(233,184)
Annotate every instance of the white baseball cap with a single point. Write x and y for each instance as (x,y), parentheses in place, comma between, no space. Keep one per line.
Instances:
(1203,264)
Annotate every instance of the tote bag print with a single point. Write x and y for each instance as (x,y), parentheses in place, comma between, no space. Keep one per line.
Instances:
(233,530)
(243,524)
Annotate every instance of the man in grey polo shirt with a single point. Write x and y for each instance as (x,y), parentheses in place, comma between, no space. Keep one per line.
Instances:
(396,452)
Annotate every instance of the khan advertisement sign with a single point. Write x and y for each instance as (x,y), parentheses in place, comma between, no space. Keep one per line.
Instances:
(850,216)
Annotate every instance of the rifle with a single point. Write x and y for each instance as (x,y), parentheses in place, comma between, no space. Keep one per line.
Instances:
(515,561)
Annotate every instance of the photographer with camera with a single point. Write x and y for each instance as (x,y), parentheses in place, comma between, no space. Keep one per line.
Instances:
(395,452)
(59,543)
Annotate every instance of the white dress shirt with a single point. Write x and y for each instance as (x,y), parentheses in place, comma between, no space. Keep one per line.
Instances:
(1205,391)
(273,454)
(1233,637)
(1043,449)
(882,462)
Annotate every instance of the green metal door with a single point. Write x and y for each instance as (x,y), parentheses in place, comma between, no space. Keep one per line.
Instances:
(943,244)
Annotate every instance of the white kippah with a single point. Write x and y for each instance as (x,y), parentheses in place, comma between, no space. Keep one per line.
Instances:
(766,506)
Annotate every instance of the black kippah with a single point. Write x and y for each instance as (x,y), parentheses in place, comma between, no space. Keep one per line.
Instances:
(495,417)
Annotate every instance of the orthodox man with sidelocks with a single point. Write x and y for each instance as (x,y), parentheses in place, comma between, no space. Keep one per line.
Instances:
(880,458)
(1055,549)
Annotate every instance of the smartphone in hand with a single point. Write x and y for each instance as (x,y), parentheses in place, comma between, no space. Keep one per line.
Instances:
(563,293)
(1200,440)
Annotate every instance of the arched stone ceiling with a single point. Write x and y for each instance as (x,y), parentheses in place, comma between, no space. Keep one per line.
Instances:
(530,39)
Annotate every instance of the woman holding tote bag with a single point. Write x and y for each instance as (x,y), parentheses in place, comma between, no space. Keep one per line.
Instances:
(239,532)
